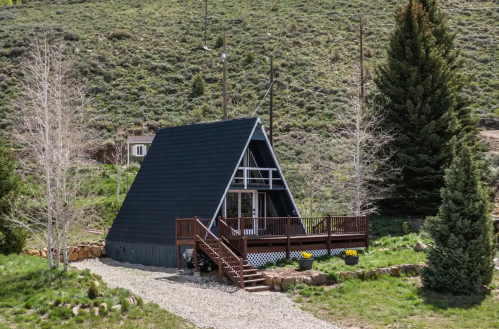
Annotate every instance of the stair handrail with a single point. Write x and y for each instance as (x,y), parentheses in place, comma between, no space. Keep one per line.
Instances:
(223,252)
(232,236)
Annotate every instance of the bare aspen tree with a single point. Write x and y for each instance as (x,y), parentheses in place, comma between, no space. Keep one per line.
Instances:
(51,128)
(360,141)
(119,159)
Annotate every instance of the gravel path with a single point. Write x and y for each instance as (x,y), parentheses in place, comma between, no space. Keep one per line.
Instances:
(205,303)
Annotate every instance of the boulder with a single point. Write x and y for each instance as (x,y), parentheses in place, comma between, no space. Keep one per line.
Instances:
(370,274)
(33,253)
(401,269)
(73,256)
(103,306)
(96,251)
(96,311)
(299,279)
(83,254)
(419,246)
(269,279)
(76,310)
(103,243)
(394,271)
(43,253)
(116,307)
(384,249)
(286,282)
(67,305)
(277,287)
(409,269)
(87,248)
(307,280)
(322,278)
(316,279)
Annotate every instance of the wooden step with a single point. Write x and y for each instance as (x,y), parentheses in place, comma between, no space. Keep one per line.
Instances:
(248,271)
(253,280)
(256,275)
(257,288)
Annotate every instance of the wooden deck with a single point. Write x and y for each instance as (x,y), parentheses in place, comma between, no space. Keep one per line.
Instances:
(238,237)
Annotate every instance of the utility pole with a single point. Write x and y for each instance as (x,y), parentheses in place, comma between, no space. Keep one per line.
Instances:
(271,101)
(205,22)
(361,62)
(224,78)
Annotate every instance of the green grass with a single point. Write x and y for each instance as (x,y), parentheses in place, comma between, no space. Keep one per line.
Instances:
(399,252)
(398,303)
(30,296)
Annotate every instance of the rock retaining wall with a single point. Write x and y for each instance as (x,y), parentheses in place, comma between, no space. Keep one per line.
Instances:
(79,251)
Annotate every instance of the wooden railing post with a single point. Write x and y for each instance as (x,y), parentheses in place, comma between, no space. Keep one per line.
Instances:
(328,223)
(288,242)
(220,269)
(242,226)
(177,231)
(241,273)
(219,227)
(245,247)
(367,232)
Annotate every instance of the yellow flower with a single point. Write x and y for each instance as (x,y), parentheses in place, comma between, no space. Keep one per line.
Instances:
(352,253)
(306,255)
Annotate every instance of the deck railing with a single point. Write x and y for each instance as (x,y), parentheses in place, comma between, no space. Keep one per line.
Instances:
(185,228)
(232,237)
(247,179)
(296,226)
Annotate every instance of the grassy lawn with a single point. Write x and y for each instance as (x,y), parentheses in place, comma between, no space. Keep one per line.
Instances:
(398,303)
(31,296)
(384,252)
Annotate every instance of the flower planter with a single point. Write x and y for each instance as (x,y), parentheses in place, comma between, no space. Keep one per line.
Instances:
(351,260)
(305,263)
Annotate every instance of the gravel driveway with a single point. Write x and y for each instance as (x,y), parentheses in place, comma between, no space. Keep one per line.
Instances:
(205,303)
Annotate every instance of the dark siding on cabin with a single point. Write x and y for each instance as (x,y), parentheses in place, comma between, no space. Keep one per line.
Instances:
(184,174)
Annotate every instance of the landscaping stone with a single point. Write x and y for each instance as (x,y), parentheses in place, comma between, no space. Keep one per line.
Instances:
(80,277)
(33,253)
(394,271)
(286,282)
(401,269)
(73,256)
(87,248)
(370,274)
(103,306)
(116,307)
(419,246)
(83,254)
(76,310)
(103,243)
(96,251)
(269,280)
(43,253)
(96,311)
(68,305)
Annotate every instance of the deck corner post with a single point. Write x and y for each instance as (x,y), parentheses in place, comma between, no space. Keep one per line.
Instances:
(245,247)
(329,235)
(220,269)
(367,232)
(179,259)
(288,242)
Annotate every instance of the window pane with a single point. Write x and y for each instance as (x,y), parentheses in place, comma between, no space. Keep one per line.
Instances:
(232,205)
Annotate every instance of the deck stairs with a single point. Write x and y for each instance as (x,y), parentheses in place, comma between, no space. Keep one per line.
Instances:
(234,266)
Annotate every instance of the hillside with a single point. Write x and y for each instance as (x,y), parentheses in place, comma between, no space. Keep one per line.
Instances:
(139,57)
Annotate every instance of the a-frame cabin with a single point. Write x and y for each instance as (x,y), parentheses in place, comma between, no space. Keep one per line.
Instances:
(219,186)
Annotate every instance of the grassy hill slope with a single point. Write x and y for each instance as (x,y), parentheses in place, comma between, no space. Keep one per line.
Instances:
(140,57)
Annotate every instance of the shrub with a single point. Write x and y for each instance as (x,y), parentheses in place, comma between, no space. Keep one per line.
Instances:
(93,290)
(461,231)
(198,85)
(250,57)
(405,228)
(220,41)
(119,35)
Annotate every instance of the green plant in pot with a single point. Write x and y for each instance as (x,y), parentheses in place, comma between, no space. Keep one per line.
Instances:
(306,261)
(351,257)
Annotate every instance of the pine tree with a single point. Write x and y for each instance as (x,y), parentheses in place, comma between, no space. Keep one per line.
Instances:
(11,239)
(461,258)
(468,122)
(415,86)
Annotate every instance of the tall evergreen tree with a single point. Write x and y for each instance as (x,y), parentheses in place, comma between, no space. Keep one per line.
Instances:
(461,259)
(11,239)
(468,122)
(415,86)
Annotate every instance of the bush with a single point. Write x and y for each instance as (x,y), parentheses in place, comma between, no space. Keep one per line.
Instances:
(119,35)
(220,41)
(198,85)
(93,290)
(250,57)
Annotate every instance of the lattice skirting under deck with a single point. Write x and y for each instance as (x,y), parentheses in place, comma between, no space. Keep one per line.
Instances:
(258,260)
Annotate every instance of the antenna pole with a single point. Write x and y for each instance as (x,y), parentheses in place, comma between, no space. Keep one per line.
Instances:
(271,101)
(205,22)
(361,62)
(224,78)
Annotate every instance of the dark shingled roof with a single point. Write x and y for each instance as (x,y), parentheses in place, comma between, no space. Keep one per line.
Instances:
(139,139)
(184,174)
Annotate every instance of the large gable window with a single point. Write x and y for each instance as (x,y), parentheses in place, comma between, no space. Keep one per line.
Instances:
(139,150)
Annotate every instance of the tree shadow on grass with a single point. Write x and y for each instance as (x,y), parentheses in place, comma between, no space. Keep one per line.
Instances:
(444,301)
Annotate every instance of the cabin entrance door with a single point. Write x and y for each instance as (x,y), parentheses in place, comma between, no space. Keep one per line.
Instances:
(243,203)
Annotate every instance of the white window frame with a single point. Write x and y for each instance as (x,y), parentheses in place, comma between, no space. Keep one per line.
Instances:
(136,148)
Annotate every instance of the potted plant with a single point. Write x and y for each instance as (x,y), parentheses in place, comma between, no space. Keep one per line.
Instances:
(351,257)
(306,261)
